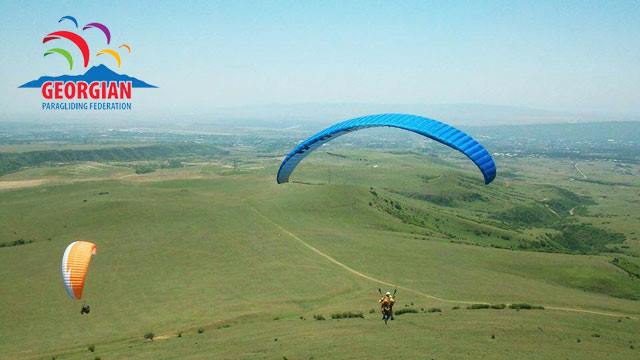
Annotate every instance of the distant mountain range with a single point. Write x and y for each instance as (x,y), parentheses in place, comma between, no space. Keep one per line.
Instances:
(95,73)
(320,114)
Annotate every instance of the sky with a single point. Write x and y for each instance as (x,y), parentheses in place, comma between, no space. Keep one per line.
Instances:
(571,56)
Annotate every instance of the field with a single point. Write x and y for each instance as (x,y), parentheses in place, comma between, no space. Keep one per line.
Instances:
(216,260)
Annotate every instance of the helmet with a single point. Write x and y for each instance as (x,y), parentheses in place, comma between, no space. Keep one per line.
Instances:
(387,293)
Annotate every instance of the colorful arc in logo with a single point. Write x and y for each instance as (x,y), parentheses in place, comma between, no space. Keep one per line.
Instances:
(99,86)
(81,43)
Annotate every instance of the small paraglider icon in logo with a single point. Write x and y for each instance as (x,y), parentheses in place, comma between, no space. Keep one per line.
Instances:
(75,265)
(107,84)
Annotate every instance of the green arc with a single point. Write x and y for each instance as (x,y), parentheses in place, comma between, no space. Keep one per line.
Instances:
(62,52)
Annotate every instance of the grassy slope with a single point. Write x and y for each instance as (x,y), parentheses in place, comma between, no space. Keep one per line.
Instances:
(177,255)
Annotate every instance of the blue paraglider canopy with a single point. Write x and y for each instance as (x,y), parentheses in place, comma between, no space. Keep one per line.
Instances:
(70,18)
(430,128)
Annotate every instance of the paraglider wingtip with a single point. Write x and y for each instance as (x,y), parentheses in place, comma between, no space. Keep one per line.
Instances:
(489,180)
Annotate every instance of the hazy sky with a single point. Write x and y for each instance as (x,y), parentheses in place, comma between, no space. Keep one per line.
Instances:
(557,55)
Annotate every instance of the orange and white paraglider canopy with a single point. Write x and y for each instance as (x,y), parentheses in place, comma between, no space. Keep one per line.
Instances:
(75,264)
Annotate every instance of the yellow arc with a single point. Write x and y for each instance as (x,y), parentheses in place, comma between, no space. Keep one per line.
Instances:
(112,53)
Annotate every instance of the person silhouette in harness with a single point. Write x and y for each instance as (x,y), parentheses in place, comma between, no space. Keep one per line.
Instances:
(85,309)
(386,306)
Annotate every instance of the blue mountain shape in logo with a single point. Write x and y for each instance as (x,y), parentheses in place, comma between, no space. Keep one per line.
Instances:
(96,73)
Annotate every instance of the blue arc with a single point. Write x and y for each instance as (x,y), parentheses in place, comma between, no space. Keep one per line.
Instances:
(430,128)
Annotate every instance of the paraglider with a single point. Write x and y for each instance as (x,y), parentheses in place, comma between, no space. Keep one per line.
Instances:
(102,28)
(75,265)
(70,18)
(386,305)
(74,38)
(430,128)
(62,52)
(112,53)
(125,46)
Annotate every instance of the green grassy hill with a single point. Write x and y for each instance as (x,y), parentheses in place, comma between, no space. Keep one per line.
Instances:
(225,264)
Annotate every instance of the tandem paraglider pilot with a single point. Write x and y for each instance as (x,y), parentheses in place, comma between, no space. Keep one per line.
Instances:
(386,306)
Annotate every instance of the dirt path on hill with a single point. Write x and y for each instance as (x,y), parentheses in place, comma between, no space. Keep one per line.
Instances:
(18,184)
(417,292)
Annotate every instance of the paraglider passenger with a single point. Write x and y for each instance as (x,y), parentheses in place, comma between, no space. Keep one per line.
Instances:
(386,306)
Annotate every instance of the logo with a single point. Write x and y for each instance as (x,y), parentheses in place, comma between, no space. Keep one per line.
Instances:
(99,88)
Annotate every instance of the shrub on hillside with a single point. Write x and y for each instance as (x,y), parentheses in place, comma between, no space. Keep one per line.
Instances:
(347,315)
(632,269)
(524,306)
(144,169)
(319,317)
(527,216)
(16,243)
(478,306)
(406,311)
(91,348)
(586,239)
(149,336)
